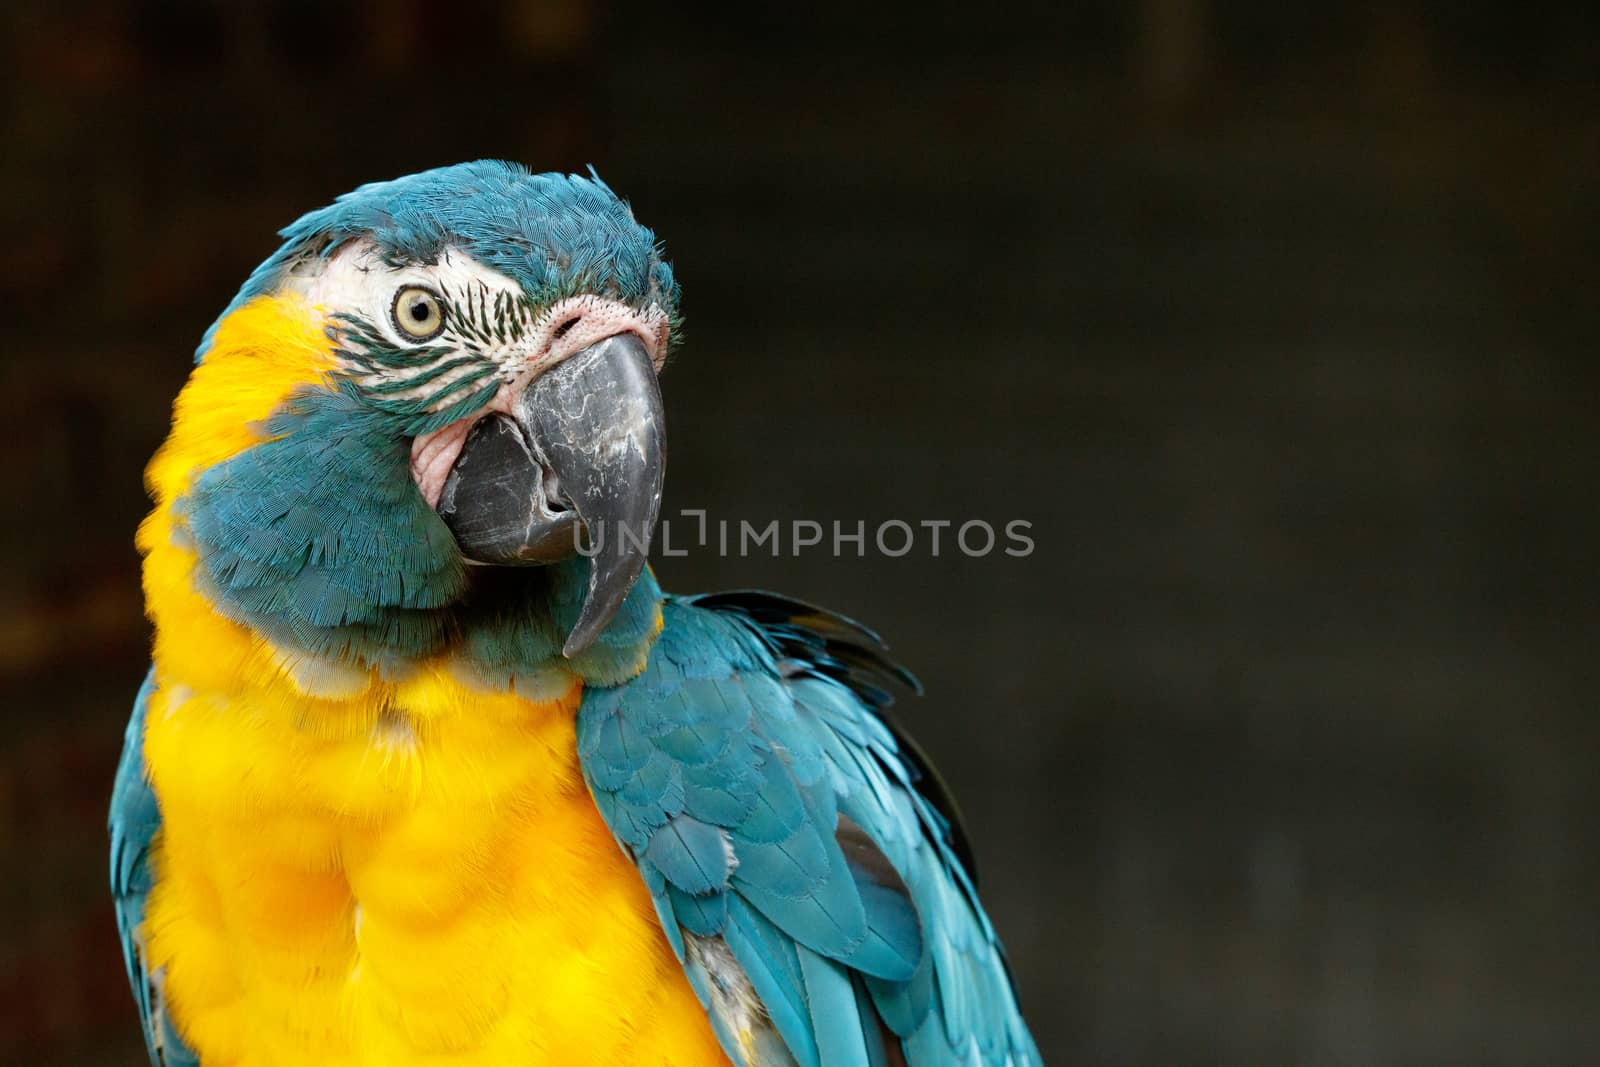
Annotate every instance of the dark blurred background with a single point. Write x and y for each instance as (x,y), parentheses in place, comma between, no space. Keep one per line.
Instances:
(1275,320)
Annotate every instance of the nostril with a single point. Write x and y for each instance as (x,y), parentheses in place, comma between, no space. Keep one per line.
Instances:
(566,327)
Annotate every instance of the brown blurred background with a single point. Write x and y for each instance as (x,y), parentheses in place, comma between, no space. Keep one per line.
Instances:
(1276,320)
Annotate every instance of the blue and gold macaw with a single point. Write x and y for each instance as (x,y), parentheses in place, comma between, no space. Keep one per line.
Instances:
(413,686)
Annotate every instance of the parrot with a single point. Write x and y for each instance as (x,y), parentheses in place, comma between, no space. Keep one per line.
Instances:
(428,769)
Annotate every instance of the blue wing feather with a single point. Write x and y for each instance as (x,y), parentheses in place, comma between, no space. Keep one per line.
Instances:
(774,810)
(134,821)
(835,1014)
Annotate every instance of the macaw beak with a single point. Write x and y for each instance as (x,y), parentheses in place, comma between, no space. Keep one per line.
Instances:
(579,466)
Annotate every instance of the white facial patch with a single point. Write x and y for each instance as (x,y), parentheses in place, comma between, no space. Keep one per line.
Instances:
(489,325)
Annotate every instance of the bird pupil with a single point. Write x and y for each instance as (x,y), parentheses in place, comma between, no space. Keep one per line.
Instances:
(419,310)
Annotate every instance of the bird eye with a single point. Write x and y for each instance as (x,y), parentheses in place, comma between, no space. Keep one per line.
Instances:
(418,313)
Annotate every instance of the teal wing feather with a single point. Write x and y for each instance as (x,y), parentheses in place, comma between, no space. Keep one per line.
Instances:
(135,819)
(820,900)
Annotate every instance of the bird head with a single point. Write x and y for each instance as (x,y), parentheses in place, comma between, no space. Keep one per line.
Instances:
(432,379)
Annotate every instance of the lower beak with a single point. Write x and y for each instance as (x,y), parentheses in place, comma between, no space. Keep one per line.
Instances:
(578,468)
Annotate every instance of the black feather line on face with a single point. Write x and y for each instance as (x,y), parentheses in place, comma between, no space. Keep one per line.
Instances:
(381,370)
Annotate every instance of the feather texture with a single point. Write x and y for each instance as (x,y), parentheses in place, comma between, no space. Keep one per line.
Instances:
(751,775)
(135,818)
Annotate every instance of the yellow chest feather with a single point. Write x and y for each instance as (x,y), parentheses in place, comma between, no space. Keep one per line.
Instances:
(399,883)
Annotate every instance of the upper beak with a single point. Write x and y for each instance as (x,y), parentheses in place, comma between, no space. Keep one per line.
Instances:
(584,454)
